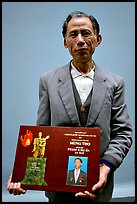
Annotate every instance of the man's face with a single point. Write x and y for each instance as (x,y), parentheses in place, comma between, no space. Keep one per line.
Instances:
(77,163)
(80,39)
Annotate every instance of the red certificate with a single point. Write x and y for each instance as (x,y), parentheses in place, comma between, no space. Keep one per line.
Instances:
(59,158)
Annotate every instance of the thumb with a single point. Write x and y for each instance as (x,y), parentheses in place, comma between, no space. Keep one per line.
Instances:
(97,186)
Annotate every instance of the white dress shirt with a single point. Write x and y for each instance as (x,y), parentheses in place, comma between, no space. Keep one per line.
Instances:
(76,174)
(83,82)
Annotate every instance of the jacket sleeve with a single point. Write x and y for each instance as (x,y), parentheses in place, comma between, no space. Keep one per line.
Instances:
(120,129)
(43,115)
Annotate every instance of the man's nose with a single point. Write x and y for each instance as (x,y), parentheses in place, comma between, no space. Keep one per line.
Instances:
(80,39)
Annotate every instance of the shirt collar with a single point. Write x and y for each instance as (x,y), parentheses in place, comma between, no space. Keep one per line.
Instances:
(75,73)
(77,171)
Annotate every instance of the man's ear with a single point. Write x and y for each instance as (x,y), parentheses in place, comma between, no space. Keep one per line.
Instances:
(65,43)
(99,39)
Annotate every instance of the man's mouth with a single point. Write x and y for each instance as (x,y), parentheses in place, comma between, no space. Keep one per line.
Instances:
(81,49)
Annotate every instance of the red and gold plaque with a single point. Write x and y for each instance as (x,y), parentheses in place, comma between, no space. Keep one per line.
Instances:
(48,158)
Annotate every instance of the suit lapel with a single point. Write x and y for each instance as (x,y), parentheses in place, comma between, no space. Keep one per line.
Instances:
(98,96)
(66,93)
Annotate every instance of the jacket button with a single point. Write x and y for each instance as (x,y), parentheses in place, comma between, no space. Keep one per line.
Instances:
(82,109)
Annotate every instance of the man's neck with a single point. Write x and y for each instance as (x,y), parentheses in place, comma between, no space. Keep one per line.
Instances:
(84,67)
(77,169)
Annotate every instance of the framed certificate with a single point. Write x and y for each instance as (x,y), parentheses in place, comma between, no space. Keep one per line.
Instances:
(57,158)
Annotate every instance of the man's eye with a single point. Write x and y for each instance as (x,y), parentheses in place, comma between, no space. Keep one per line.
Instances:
(73,35)
(86,34)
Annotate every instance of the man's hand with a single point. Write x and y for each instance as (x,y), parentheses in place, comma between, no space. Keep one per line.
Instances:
(14,188)
(98,187)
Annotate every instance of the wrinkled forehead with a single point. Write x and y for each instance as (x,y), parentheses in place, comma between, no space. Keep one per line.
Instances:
(77,23)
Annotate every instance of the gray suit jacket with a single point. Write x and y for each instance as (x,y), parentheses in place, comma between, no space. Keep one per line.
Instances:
(82,178)
(108,111)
